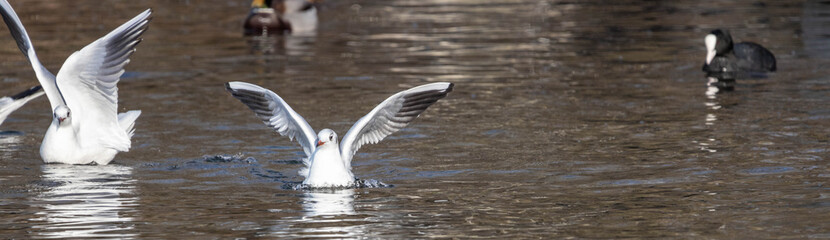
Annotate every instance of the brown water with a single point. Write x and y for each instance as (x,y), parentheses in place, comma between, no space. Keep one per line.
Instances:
(587,119)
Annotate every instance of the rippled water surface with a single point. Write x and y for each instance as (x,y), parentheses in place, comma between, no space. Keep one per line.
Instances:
(585,119)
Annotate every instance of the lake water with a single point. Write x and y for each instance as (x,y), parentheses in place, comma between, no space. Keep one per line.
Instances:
(586,119)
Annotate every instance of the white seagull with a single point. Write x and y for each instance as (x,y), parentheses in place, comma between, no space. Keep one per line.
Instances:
(86,127)
(10,104)
(329,165)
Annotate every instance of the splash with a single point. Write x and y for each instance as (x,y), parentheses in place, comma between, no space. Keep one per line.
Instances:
(358,183)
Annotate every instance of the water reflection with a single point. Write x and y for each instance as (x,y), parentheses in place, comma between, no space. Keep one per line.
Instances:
(290,45)
(713,87)
(86,201)
(9,141)
(816,24)
(325,203)
(299,45)
(326,213)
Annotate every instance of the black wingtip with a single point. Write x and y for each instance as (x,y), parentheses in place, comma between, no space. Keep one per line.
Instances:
(449,89)
(28,92)
(19,34)
(228,87)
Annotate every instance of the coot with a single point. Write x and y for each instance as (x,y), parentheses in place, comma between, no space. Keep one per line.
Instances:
(726,60)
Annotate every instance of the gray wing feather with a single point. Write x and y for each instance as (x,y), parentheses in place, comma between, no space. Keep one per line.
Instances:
(88,82)
(46,78)
(275,113)
(392,115)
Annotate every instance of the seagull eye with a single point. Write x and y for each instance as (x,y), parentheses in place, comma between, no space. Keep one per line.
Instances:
(331,137)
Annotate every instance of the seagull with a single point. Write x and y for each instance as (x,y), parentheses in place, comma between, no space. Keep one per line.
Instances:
(328,165)
(86,127)
(10,104)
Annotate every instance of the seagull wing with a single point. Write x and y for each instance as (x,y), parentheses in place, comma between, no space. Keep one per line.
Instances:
(10,104)
(88,82)
(46,78)
(6,108)
(390,116)
(275,113)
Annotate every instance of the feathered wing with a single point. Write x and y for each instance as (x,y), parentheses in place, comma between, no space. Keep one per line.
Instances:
(390,116)
(275,113)
(6,108)
(754,57)
(88,82)
(10,104)
(127,121)
(46,78)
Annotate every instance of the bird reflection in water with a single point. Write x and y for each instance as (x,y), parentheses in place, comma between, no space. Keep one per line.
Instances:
(713,87)
(291,45)
(327,213)
(84,201)
(328,202)
(9,141)
(330,211)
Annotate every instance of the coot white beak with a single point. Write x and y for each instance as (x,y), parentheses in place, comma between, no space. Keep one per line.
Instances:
(710,41)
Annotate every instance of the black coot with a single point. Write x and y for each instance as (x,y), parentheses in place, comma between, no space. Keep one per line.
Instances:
(726,60)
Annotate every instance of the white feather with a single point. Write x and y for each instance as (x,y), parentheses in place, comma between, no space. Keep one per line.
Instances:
(275,113)
(87,86)
(329,165)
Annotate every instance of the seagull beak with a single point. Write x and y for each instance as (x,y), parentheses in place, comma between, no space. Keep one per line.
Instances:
(60,120)
(319,143)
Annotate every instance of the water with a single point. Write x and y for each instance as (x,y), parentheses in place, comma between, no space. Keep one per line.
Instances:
(587,119)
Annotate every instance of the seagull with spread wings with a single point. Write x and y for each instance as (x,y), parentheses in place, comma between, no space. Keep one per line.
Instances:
(86,127)
(329,164)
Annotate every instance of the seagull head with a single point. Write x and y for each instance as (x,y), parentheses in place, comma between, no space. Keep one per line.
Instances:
(326,136)
(62,114)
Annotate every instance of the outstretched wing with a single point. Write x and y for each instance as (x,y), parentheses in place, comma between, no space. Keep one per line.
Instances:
(46,78)
(391,115)
(10,104)
(88,82)
(275,113)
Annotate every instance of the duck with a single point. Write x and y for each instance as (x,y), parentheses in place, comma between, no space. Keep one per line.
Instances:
(726,60)
(86,127)
(11,104)
(328,162)
(269,17)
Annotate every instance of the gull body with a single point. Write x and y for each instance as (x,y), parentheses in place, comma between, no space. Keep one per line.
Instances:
(329,164)
(326,166)
(86,127)
(10,104)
